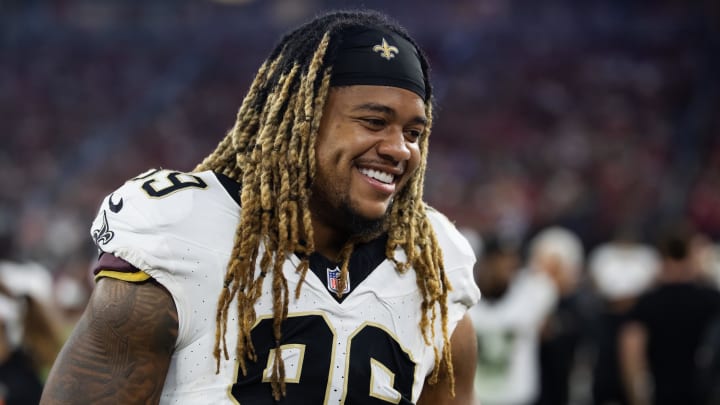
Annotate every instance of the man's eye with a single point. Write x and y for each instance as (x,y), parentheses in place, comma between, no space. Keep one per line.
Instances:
(374,122)
(414,134)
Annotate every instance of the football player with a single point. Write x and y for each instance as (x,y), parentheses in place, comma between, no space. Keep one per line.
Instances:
(297,263)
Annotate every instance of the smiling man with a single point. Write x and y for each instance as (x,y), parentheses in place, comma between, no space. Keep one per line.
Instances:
(297,263)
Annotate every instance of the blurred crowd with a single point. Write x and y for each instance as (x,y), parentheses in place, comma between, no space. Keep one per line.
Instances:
(625,323)
(600,117)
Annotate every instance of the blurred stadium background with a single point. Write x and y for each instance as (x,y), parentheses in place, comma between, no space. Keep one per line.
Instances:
(596,115)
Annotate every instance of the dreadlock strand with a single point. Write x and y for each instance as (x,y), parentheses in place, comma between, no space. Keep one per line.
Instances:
(222,152)
(280,303)
(344,258)
(229,290)
(268,137)
(305,176)
(313,69)
(447,345)
(319,104)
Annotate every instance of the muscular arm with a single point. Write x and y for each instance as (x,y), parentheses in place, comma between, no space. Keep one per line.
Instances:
(120,349)
(464,357)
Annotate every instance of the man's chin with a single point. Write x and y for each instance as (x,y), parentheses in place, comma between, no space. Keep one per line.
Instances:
(363,226)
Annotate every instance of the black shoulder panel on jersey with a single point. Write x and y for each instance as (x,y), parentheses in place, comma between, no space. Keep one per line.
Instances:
(231,186)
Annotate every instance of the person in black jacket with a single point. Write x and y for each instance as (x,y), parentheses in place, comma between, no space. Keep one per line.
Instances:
(660,342)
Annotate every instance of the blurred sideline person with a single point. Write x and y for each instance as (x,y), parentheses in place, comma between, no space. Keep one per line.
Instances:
(298,263)
(620,270)
(564,330)
(29,340)
(660,343)
(706,254)
(515,304)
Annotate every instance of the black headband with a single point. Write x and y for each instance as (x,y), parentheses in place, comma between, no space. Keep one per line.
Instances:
(376,57)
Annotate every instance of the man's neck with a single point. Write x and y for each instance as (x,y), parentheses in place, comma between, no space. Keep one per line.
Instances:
(329,241)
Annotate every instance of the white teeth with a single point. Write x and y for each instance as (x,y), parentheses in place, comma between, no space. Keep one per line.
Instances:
(386,178)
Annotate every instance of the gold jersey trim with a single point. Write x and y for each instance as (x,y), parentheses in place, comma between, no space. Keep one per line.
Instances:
(136,277)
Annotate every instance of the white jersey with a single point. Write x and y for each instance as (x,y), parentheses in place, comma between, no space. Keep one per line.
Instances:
(179,228)
(508,334)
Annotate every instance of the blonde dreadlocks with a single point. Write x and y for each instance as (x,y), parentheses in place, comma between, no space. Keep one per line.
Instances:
(270,151)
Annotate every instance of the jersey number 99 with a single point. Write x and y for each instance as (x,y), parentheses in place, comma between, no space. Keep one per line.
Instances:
(377,370)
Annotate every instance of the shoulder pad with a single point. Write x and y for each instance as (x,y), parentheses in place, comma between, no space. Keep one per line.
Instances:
(148,209)
(459,260)
(456,249)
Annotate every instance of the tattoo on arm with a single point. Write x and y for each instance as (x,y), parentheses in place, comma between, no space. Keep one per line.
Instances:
(121,348)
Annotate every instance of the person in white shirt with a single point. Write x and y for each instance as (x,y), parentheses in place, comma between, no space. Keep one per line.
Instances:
(508,320)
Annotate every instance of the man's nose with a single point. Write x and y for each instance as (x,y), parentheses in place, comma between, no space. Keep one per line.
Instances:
(394,146)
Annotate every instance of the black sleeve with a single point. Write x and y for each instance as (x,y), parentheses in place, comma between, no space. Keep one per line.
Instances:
(642,311)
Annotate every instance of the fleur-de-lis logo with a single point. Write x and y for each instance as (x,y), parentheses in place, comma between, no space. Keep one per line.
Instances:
(103,235)
(386,51)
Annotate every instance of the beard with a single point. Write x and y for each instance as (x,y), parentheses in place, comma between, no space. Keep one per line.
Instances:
(336,208)
(362,228)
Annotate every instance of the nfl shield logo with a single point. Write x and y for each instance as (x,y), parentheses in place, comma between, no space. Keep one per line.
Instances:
(333,279)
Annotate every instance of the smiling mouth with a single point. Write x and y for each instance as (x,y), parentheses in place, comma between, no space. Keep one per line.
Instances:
(378,175)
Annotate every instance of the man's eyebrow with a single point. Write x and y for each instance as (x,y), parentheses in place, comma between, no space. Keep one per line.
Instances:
(381,108)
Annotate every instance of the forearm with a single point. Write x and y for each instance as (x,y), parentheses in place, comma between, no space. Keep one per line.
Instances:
(633,366)
(637,386)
